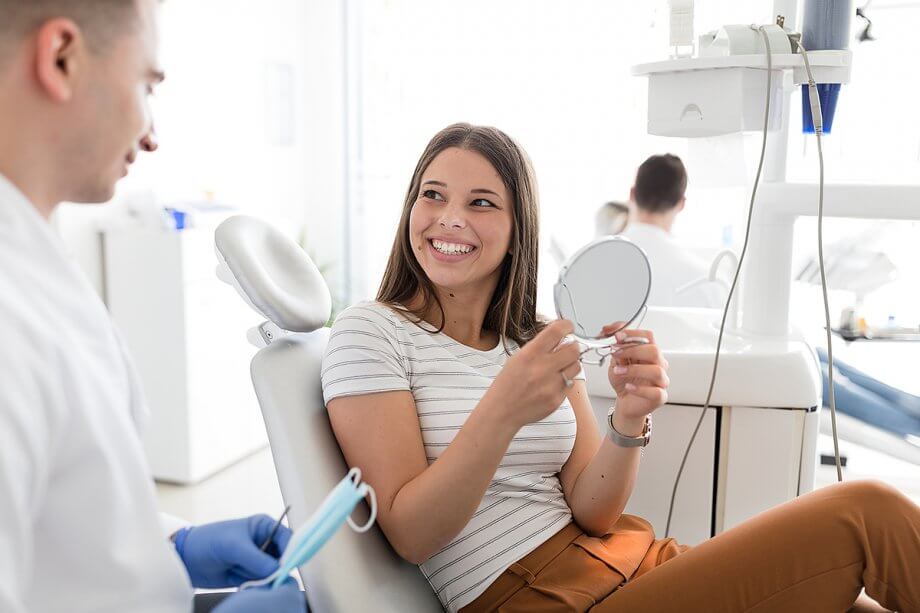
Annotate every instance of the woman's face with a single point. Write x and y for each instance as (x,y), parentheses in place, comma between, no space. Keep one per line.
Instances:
(460,225)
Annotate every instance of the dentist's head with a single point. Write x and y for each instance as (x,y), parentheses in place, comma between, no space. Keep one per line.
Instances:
(75,77)
(469,225)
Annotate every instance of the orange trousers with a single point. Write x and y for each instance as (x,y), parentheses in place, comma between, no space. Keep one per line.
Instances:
(814,554)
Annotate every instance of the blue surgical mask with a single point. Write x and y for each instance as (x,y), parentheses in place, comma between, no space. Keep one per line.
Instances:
(334,511)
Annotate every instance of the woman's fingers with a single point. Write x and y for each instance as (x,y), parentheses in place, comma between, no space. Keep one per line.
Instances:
(550,337)
(657,395)
(651,373)
(572,371)
(643,354)
(565,356)
(611,328)
(622,333)
(647,334)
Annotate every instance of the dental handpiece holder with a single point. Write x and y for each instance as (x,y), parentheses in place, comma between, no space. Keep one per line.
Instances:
(722,90)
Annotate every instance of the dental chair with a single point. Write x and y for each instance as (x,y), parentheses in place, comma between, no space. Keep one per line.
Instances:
(353,572)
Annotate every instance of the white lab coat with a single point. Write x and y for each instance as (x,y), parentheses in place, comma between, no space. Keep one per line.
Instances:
(79,529)
(673,266)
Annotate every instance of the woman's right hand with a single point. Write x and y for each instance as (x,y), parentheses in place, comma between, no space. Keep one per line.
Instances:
(532,385)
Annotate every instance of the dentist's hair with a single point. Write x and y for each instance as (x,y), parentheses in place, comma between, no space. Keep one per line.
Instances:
(661,183)
(99,20)
(512,310)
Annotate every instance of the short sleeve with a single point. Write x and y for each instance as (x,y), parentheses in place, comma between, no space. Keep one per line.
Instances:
(363,355)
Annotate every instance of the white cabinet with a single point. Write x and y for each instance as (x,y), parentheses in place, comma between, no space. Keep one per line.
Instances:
(744,461)
(186,331)
(756,447)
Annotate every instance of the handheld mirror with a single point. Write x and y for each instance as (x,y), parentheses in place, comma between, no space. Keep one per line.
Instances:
(606,281)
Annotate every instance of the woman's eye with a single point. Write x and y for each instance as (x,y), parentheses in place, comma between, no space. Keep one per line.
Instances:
(430,193)
(482,202)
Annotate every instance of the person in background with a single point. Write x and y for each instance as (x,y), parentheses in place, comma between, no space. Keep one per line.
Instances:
(79,529)
(659,196)
(612,218)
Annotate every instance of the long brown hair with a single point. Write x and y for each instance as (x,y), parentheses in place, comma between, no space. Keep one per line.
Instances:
(512,310)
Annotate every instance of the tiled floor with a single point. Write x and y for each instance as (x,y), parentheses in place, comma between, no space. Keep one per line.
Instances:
(864,463)
(245,488)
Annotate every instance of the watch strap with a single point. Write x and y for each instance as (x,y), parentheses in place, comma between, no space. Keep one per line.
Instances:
(629,441)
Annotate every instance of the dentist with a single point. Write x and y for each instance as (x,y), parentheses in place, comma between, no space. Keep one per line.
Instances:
(79,529)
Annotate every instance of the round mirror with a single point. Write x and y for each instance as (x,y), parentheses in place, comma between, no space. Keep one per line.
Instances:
(606,281)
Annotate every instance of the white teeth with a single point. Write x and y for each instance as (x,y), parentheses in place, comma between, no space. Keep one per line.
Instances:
(450,248)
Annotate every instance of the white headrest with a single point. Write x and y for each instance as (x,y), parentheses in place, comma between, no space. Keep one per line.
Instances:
(274,274)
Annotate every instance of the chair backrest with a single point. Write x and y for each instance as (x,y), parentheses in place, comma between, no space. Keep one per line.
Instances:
(352,572)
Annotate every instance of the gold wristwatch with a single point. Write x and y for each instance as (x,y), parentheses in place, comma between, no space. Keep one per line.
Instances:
(628,441)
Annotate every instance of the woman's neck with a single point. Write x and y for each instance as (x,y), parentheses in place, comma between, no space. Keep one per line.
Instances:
(464,316)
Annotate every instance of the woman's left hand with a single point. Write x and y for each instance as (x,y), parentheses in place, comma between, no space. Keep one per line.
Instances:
(638,374)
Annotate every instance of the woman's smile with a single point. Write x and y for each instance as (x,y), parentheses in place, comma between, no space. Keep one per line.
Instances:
(450,251)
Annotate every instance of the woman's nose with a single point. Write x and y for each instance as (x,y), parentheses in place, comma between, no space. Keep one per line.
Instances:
(451,218)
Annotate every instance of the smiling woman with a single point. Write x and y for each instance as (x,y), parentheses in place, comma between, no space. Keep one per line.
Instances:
(469,225)
(484,451)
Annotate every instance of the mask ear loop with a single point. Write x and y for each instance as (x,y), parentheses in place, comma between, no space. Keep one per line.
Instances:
(369,491)
(355,475)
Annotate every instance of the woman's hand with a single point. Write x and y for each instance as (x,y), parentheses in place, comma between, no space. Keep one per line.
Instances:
(638,374)
(532,385)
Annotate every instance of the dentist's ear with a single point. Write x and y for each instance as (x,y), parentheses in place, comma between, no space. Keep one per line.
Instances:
(59,54)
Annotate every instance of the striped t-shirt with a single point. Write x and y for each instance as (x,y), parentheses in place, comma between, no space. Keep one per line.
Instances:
(372,348)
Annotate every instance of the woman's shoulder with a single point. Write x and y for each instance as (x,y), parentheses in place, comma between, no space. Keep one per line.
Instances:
(370,314)
(367,310)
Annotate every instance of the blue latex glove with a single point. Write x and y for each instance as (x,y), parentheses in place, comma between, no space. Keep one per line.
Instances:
(226,553)
(286,599)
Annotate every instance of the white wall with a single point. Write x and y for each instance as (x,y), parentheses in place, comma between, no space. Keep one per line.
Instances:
(251,114)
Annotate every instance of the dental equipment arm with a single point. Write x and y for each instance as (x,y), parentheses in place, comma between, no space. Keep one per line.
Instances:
(713,277)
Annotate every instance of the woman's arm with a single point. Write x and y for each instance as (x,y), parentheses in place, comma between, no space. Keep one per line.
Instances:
(421,508)
(599,476)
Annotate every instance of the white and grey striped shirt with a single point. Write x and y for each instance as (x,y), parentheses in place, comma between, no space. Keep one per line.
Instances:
(372,348)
